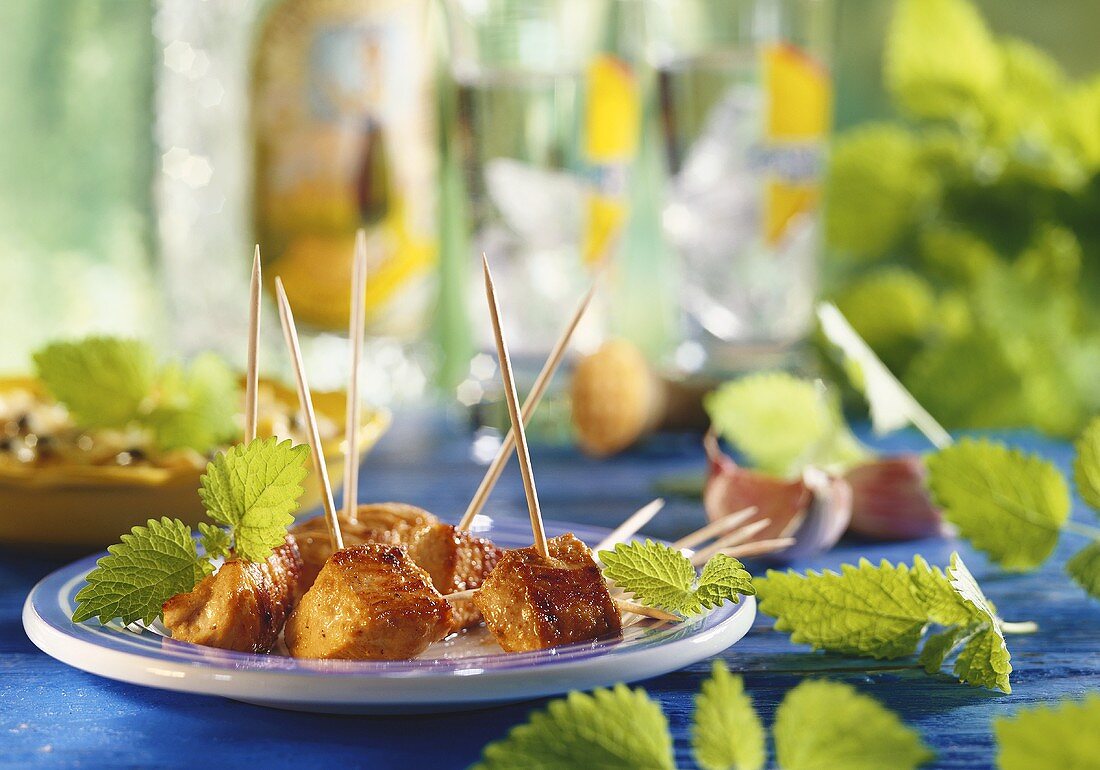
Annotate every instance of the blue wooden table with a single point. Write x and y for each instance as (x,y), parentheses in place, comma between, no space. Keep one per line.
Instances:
(55,716)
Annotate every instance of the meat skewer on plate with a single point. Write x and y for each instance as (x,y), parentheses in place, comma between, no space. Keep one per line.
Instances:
(243,605)
(456,559)
(552,592)
(369,601)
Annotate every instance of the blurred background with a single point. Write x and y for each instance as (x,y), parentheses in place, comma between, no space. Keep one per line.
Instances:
(929,165)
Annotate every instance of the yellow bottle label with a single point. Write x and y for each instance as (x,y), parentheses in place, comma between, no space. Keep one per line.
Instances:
(612,123)
(799,108)
(344,139)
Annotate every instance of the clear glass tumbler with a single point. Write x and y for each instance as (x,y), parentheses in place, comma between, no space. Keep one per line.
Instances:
(521,67)
(745,100)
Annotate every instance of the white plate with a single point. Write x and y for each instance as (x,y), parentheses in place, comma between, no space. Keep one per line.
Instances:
(467,671)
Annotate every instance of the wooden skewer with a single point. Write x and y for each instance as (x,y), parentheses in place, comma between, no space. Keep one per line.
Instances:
(793,525)
(716,528)
(513,412)
(290,333)
(356,319)
(252,373)
(759,547)
(624,605)
(496,467)
(649,612)
(734,538)
(628,528)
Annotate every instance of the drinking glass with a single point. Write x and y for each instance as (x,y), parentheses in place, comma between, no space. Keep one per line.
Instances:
(521,68)
(745,101)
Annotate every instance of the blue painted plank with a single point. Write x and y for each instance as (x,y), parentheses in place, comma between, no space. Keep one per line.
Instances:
(53,716)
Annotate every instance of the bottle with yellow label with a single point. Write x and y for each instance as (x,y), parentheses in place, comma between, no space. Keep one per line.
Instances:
(344,137)
(745,101)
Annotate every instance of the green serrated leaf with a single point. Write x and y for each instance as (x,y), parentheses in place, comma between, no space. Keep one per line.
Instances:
(940,599)
(216,542)
(1061,737)
(656,574)
(612,729)
(197,406)
(724,579)
(1086,465)
(781,423)
(984,661)
(823,725)
(253,489)
(938,647)
(1084,568)
(864,610)
(152,564)
(726,733)
(102,381)
(1009,504)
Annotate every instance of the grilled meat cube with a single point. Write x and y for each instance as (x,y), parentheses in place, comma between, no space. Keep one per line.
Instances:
(374,523)
(531,602)
(240,607)
(456,561)
(370,602)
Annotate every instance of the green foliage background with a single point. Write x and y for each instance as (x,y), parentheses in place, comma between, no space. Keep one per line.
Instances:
(964,234)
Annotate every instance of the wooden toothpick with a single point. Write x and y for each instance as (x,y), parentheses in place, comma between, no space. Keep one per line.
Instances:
(759,547)
(290,333)
(630,527)
(716,528)
(356,325)
(736,537)
(496,467)
(252,372)
(513,412)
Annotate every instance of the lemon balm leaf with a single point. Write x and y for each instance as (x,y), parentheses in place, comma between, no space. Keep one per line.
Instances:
(726,733)
(656,574)
(102,381)
(615,729)
(197,406)
(254,489)
(780,423)
(822,725)
(1008,504)
(984,660)
(940,599)
(1065,735)
(885,611)
(152,564)
(660,576)
(1086,465)
(216,542)
(724,579)
(864,610)
(1084,568)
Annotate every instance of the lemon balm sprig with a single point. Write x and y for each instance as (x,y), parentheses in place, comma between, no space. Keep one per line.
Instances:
(250,490)
(661,576)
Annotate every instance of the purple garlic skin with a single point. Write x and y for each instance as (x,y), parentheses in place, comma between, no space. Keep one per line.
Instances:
(890,500)
(815,509)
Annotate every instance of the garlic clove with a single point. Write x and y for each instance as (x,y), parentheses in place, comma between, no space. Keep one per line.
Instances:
(890,500)
(815,509)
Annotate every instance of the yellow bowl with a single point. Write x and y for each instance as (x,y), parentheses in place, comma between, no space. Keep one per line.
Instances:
(69,508)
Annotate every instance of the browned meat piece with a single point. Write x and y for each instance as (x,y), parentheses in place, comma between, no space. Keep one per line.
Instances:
(374,523)
(456,561)
(370,602)
(531,602)
(240,607)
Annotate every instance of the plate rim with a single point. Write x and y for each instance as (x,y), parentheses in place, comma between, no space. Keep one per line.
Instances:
(342,684)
